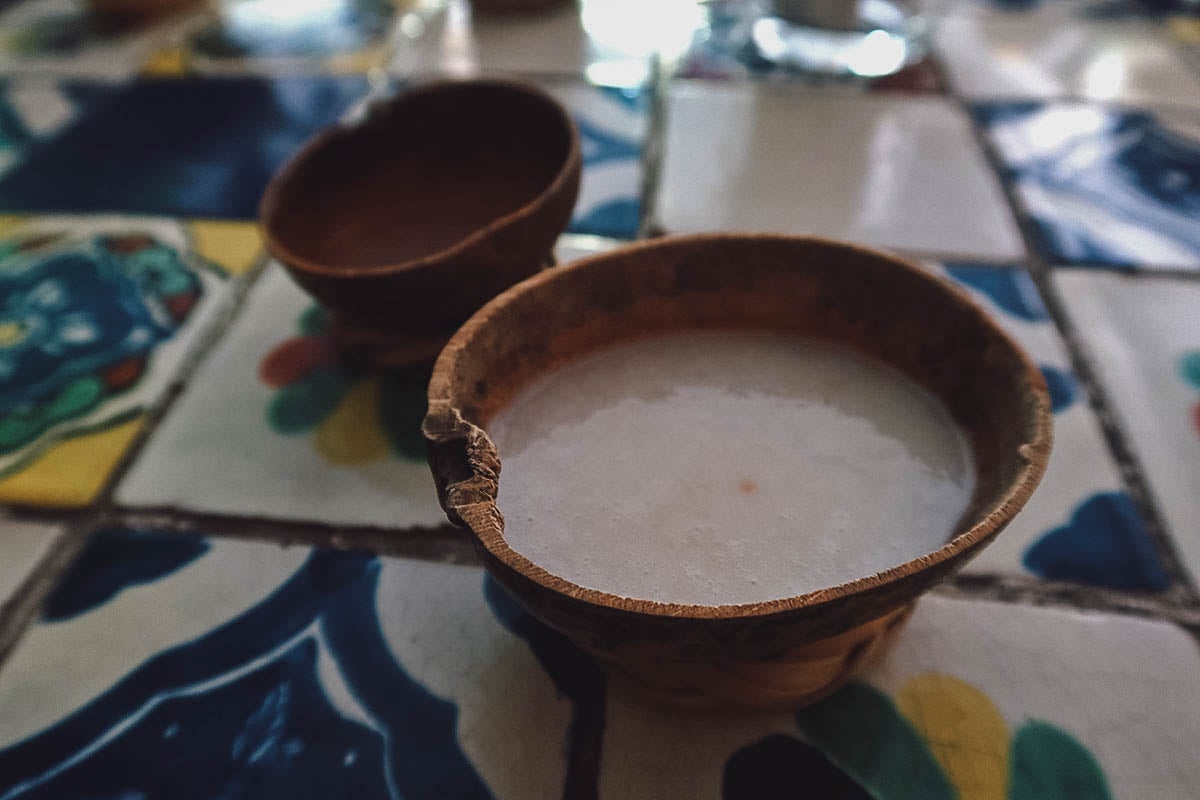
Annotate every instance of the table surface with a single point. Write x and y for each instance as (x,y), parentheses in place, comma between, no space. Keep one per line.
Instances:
(223,570)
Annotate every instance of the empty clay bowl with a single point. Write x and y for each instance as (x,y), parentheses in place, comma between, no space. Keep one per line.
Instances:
(786,652)
(404,224)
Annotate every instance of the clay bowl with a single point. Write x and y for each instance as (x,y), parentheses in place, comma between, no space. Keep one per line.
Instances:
(404,224)
(786,652)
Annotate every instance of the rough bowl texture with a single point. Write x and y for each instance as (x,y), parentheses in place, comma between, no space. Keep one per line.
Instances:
(404,224)
(785,652)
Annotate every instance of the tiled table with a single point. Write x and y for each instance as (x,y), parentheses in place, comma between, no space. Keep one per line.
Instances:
(223,571)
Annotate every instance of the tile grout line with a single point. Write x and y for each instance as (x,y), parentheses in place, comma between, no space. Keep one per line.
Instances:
(1132,475)
(18,612)
(1064,595)
(443,543)
(207,343)
(653,148)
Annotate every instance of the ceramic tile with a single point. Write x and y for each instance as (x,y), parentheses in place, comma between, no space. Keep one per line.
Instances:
(1143,337)
(202,147)
(99,315)
(60,38)
(975,699)
(780,159)
(30,112)
(610,41)
(1063,11)
(1008,8)
(223,668)
(273,424)
(612,130)
(1080,525)
(22,546)
(1104,185)
(1030,56)
(265,36)
(724,48)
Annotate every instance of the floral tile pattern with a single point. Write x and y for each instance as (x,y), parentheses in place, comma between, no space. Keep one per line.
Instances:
(96,316)
(754,158)
(612,129)
(1080,525)
(221,667)
(22,546)
(317,438)
(975,699)
(1142,337)
(270,385)
(1103,185)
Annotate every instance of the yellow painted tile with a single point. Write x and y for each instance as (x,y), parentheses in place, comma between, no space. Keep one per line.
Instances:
(71,473)
(236,246)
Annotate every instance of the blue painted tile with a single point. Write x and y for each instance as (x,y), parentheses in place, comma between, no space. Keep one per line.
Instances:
(612,130)
(1106,186)
(1104,544)
(1078,526)
(218,668)
(195,147)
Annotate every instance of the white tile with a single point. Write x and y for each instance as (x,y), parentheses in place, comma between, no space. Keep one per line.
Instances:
(611,41)
(1039,55)
(22,546)
(1127,690)
(897,172)
(216,450)
(1138,333)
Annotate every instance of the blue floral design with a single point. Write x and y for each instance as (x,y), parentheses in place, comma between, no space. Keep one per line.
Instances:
(70,315)
(1008,287)
(1104,186)
(1064,390)
(609,202)
(241,711)
(113,560)
(1103,544)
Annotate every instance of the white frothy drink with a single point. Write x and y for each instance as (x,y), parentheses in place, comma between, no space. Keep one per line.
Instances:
(727,467)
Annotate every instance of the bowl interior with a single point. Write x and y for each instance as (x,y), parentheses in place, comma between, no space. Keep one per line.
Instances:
(884,307)
(418,175)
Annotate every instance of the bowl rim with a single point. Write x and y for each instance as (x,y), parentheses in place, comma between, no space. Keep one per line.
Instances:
(1035,452)
(270,205)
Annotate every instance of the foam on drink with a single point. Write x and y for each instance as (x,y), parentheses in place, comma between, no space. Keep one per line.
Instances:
(727,467)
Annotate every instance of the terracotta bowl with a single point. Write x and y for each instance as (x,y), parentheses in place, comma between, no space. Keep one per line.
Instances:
(404,224)
(786,652)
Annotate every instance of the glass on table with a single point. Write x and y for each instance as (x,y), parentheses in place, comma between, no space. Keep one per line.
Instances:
(863,38)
